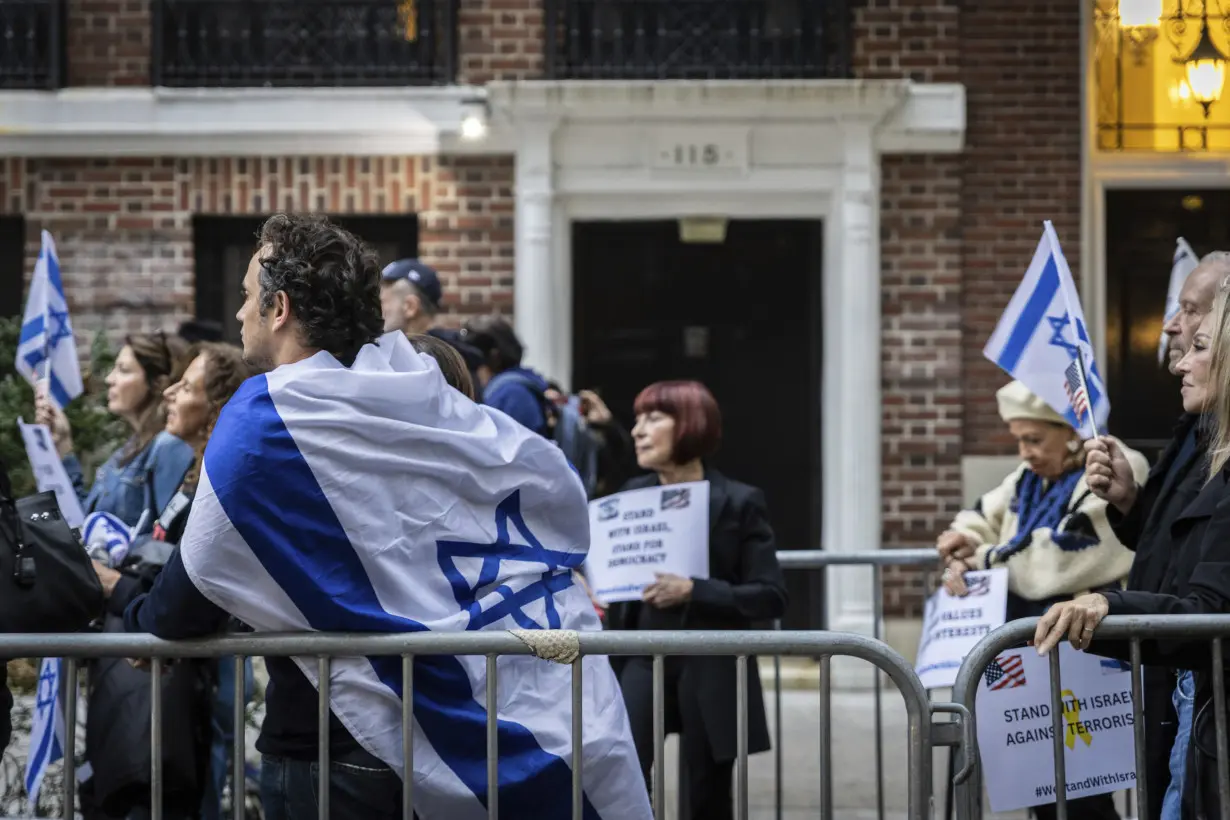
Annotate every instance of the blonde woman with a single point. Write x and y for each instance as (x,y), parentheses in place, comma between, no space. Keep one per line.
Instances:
(1189,574)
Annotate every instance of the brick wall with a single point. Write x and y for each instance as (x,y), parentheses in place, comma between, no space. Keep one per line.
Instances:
(920,252)
(499,40)
(123,227)
(1021,69)
(920,270)
(108,42)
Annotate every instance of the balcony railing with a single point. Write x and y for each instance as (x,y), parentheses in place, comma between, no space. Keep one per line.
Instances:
(697,39)
(31,52)
(199,43)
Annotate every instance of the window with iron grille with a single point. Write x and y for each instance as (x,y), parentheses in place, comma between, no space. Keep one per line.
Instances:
(236,43)
(697,39)
(31,44)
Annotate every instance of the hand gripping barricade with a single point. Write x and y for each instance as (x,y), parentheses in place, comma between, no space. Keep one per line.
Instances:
(553,646)
(1132,629)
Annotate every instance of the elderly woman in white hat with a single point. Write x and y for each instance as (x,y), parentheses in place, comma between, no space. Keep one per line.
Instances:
(1041,522)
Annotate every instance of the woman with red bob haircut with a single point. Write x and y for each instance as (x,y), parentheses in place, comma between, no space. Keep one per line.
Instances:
(678,426)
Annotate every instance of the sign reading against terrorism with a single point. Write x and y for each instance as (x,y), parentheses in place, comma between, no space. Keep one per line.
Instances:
(1015,735)
(637,533)
(951,625)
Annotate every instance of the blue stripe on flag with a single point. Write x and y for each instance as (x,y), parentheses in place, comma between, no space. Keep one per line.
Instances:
(57,389)
(31,330)
(53,271)
(1031,316)
(322,574)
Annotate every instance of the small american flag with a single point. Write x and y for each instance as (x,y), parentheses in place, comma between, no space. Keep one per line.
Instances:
(1005,672)
(1075,386)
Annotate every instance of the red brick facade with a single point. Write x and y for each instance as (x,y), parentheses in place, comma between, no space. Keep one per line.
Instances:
(956,231)
(123,227)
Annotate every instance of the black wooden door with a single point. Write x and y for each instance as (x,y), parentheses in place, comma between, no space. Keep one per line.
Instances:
(742,316)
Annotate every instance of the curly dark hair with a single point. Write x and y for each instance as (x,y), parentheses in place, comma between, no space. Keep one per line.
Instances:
(330,277)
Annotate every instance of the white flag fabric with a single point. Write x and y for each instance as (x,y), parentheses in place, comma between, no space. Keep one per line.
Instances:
(46,728)
(375,498)
(1184,263)
(1043,331)
(46,348)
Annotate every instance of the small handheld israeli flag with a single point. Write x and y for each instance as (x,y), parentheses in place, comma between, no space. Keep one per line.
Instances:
(1185,262)
(1043,332)
(107,538)
(46,349)
(47,728)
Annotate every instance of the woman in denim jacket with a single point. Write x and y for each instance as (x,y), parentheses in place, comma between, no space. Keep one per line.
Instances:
(145,473)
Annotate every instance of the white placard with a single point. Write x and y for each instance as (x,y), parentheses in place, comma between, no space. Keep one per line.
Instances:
(951,626)
(49,472)
(1014,727)
(636,533)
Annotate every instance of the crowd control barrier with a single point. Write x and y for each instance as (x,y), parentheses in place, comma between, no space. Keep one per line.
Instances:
(1131,629)
(921,734)
(819,560)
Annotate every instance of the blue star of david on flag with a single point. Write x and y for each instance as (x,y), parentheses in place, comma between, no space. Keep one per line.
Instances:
(1042,331)
(516,596)
(45,349)
(47,728)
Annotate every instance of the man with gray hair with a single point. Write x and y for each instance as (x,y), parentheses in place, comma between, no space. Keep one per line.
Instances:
(1141,518)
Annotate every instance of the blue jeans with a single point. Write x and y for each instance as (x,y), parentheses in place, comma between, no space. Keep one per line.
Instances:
(224,736)
(288,790)
(1183,699)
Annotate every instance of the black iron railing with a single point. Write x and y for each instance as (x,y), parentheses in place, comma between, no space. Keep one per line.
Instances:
(199,43)
(31,44)
(697,39)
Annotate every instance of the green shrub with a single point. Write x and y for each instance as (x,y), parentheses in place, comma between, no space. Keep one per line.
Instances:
(96,433)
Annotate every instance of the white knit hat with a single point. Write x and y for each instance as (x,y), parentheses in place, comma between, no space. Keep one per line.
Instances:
(1016,401)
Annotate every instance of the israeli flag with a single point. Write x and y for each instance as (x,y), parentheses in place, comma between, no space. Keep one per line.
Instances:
(106,538)
(1043,331)
(46,349)
(375,498)
(1184,263)
(47,728)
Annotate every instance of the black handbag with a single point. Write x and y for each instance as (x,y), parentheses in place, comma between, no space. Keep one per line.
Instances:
(47,583)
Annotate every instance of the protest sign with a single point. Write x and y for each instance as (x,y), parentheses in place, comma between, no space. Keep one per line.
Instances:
(636,533)
(49,472)
(951,625)
(1015,733)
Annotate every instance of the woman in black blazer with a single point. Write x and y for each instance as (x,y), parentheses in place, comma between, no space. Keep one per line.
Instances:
(677,425)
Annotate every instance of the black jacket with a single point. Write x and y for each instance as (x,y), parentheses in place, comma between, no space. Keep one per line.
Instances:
(744,586)
(1173,483)
(1195,580)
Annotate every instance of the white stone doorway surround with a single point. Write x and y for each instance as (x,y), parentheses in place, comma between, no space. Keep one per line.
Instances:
(782,149)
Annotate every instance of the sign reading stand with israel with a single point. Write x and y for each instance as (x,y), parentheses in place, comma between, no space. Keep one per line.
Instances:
(1043,333)
(638,533)
(1016,738)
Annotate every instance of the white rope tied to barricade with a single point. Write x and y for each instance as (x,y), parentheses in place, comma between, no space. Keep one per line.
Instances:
(558,645)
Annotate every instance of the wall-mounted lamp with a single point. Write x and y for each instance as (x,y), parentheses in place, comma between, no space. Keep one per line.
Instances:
(474,114)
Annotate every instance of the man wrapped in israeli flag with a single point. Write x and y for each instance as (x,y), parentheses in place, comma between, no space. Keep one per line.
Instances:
(351,490)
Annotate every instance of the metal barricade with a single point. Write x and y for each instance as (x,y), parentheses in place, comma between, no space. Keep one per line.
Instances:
(821,560)
(1132,629)
(821,645)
